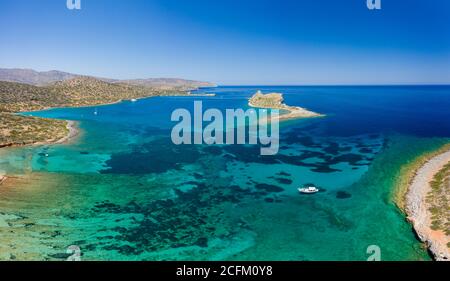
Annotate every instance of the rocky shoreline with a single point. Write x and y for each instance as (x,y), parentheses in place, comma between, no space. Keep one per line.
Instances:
(73,132)
(417,208)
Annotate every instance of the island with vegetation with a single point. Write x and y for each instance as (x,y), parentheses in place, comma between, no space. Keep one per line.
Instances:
(276,101)
(424,195)
(27,90)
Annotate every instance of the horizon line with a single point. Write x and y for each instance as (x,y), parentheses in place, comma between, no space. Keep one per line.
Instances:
(330,85)
(238,85)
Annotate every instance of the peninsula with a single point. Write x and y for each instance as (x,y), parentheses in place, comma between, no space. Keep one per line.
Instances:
(23,90)
(427,203)
(275,101)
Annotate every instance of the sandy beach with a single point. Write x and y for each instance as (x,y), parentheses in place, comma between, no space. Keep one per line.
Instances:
(417,207)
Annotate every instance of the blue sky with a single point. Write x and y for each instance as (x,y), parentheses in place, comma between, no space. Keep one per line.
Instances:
(233,41)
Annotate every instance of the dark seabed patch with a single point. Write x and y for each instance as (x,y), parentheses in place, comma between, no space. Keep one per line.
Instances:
(325,169)
(334,148)
(268,187)
(198,176)
(343,195)
(365,150)
(283,180)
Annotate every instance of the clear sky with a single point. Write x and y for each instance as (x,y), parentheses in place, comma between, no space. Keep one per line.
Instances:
(233,41)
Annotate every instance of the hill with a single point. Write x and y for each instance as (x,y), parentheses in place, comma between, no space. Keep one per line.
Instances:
(78,91)
(32,77)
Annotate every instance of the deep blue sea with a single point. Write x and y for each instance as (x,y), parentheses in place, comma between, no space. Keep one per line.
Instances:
(123,191)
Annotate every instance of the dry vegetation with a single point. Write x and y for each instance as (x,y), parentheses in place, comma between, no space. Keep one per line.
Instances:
(20,130)
(272,100)
(80,91)
(438,200)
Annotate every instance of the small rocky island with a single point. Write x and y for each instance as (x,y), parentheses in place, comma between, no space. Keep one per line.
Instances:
(275,101)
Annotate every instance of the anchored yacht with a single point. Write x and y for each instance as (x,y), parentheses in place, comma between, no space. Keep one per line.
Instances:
(309,189)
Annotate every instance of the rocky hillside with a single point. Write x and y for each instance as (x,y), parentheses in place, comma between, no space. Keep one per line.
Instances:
(272,100)
(78,91)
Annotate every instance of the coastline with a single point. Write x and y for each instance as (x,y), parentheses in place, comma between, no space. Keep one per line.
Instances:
(71,126)
(73,132)
(414,186)
(113,102)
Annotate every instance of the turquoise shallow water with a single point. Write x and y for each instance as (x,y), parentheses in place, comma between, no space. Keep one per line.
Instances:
(123,191)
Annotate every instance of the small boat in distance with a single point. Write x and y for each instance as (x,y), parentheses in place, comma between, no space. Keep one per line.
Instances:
(309,189)
(133,100)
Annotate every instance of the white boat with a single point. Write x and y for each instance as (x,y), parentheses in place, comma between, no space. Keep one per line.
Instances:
(308,189)
(133,100)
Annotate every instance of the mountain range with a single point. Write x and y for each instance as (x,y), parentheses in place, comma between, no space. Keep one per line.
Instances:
(44,78)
